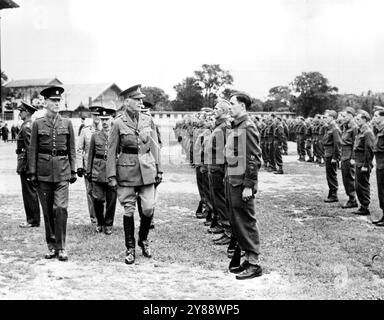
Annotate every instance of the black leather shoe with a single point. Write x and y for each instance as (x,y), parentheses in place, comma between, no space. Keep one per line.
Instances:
(238,269)
(130,256)
(50,254)
(144,245)
(362,212)
(252,271)
(350,204)
(99,229)
(62,255)
(331,199)
(199,215)
(108,230)
(224,241)
(216,230)
(28,225)
(279,172)
(207,223)
(379,223)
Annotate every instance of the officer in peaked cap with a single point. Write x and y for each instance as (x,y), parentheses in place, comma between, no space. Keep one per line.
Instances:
(102,194)
(29,192)
(133,165)
(52,166)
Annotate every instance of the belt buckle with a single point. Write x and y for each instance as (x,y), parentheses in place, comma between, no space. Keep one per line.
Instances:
(54,152)
(105,157)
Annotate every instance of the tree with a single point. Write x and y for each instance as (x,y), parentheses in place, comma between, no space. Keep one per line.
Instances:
(313,94)
(158,97)
(189,96)
(212,79)
(257,105)
(4,91)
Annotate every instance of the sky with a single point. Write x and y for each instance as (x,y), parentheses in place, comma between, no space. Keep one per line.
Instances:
(159,43)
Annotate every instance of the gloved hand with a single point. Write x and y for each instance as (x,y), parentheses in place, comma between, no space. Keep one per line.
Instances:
(158,179)
(73,178)
(80,172)
(112,182)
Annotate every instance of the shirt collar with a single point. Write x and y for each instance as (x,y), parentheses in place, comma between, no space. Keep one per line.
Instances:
(240,119)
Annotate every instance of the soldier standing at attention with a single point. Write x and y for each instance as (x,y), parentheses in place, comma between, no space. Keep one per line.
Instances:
(300,138)
(378,149)
(362,159)
(308,139)
(82,152)
(347,170)
(332,148)
(243,159)
(29,192)
(133,165)
(279,137)
(52,167)
(96,174)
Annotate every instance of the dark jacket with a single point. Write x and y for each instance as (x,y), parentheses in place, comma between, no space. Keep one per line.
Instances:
(332,141)
(347,140)
(378,148)
(58,139)
(363,147)
(22,149)
(243,153)
(97,156)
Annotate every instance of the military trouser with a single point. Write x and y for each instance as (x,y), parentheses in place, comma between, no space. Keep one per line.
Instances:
(271,154)
(363,189)
(308,148)
(242,216)
(54,201)
(264,154)
(301,146)
(30,200)
(331,173)
(315,147)
(380,187)
(207,194)
(128,195)
(348,175)
(199,182)
(104,194)
(285,145)
(91,209)
(321,148)
(278,157)
(217,188)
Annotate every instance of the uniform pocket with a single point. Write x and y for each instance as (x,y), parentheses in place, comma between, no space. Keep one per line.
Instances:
(63,163)
(126,170)
(43,165)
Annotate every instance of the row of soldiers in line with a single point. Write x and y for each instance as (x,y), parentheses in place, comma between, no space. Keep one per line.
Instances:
(223,145)
(119,161)
(354,139)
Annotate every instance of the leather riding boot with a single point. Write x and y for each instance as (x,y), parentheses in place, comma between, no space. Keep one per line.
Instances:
(129,233)
(145,224)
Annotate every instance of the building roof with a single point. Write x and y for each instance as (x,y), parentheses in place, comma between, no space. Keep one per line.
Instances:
(7,4)
(33,83)
(79,94)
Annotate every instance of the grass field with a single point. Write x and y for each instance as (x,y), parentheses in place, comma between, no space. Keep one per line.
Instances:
(310,250)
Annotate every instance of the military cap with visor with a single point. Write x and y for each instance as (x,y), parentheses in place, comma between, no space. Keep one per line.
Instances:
(350,110)
(52,93)
(133,92)
(24,106)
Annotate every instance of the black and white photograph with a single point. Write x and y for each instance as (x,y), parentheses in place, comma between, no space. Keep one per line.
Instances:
(208,151)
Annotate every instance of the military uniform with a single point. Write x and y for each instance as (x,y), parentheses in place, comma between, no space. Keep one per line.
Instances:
(278,142)
(134,161)
(270,148)
(363,156)
(29,192)
(216,173)
(53,163)
(378,149)
(243,160)
(263,144)
(300,140)
(308,141)
(332,148)
(347,170)
(100,191)
(82,152)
